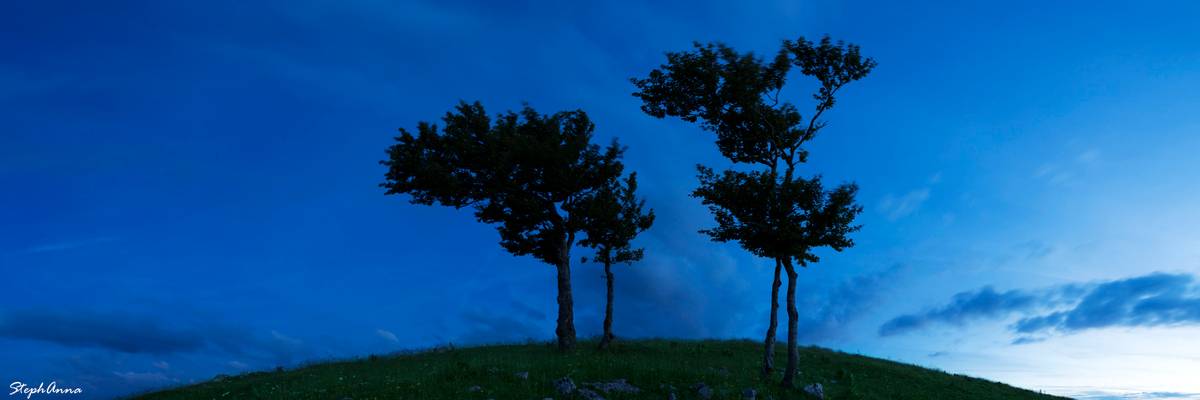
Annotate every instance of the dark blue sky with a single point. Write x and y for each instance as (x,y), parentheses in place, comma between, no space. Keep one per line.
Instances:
(190,188)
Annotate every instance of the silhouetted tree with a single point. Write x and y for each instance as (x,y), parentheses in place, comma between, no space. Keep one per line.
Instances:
(531,174)
(614,218)
(769,211)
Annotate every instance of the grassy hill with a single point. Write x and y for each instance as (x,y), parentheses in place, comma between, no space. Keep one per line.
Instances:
(656,367)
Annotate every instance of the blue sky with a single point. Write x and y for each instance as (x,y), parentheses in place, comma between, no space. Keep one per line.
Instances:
(190,188)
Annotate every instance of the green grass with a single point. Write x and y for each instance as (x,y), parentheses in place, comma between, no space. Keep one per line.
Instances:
(728,367)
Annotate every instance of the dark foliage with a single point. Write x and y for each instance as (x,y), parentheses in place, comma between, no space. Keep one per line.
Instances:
(774,218)
(614,218)
(531,174)
(769,211)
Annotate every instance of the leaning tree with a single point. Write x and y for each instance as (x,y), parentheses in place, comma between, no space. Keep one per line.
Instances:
(529,173)
(613,219)
(766,207)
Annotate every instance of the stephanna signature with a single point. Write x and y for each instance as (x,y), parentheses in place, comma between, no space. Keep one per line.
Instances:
(19,387)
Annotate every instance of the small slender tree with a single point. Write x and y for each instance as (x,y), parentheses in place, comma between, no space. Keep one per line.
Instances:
(528,173)
(769,211)
(614,219)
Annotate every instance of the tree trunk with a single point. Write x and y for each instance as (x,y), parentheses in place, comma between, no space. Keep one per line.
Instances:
(608,307)
(566,315)
(793,319)
(769,342)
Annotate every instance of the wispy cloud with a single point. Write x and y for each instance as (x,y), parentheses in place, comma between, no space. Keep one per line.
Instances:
(68,245)
(387,335)
(1036,249)
(144,378)
(1089,156)
(1053,174)
(1097,394)
(895,207)
(1027,340)
(1064,171)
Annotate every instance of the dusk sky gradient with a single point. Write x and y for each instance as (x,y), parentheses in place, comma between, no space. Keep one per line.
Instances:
(190,188)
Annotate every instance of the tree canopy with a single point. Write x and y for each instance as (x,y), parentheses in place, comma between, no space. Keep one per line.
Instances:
(768,210)
(532,175)
(527,172)
(614,218)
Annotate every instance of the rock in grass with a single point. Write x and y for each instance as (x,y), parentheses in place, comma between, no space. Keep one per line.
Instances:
(564,386)
(749,394)
(815,390)
(474,389)
(589,395)
(522,375)
(703,391)
(670,391)
(619,386)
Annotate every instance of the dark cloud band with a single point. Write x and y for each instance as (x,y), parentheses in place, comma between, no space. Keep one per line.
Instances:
(965,306)
(1155,299)
(128,334)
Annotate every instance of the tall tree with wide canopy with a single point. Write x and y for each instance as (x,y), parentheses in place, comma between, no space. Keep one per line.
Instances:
(766,208)
(531,174)
(614,218)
